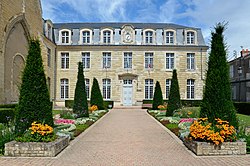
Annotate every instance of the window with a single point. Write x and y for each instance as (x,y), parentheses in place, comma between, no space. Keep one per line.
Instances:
(168,85)
(86,60)
(48,81)
(106,88)
(190,61)
(64,88)
(48,57)
(149,60)
(127,81)
(64,60)
(87,87)
(149,85)
(106,60)
(106,37)
(190,37)
(49,32)
(85,37)
(169,37)
(169,60)
(190,89)
(128,60)
(231,71)
(65,37)
(148,37)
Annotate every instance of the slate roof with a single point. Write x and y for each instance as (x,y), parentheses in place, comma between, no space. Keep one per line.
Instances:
(117,25)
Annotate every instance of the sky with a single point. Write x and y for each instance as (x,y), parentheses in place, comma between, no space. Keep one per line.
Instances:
(202,14)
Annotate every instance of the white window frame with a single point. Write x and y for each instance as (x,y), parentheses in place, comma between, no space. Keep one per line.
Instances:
(127,60)
(64,84)
(106,60)
(190,61)
(87,86)
(48,57)
(190,89)
(191,37)
(64,60)
(103,36)
(231,71)
(87,39)
(168,85)
(169,39)
(170,61)
(149,60)
(86,60)
(64,38)
(149,37)
(106,88)
(149,88)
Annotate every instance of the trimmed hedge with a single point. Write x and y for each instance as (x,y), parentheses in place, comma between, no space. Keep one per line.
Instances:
(70,103)
(242,107)
(8,105)
(186,103)
(6,115)
(107,103)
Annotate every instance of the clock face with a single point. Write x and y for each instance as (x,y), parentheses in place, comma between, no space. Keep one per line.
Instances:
(128,37)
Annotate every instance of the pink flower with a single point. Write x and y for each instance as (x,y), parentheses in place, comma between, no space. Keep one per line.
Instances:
(186,120)
(64,121)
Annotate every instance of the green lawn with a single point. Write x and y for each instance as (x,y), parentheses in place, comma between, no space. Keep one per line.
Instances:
(244,119)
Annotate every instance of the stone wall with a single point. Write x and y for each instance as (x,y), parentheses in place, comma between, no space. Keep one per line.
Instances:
(36,149)
(225,148)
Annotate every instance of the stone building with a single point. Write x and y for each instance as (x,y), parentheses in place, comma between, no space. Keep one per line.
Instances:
(240,77)
(19,21)
(126,58)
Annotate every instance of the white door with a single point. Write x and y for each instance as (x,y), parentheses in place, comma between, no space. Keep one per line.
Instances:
(127,92)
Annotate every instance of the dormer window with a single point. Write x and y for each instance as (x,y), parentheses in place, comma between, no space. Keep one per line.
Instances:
(190,37)
(65,36)
(169,37)
(106,36)
(148,37)
(49,31)
(85,37)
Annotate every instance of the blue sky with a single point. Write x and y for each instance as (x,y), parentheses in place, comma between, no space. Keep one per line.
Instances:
(203,14)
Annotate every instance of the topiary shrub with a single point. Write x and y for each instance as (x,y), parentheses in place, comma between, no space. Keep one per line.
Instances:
(174,101)
(96,95)
(217,101)
(7,115)
(157,99)
(80,100)
(34,101)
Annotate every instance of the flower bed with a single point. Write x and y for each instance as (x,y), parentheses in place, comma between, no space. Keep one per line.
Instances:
(207,148)
(36,149)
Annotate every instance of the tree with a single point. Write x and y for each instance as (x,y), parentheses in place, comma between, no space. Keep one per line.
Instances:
(34,101)
(158,99)
(174,102)
(217,102)
(80,100)
(96,95)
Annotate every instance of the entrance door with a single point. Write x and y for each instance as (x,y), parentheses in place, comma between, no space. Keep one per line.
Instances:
(127,92)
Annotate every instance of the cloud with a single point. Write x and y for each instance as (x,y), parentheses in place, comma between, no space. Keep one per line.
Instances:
(200,14)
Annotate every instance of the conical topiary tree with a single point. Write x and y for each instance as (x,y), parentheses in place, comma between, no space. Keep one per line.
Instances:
(158,99)
(80,100)
(96,95)
(217,102)
(34,101)
(174,101)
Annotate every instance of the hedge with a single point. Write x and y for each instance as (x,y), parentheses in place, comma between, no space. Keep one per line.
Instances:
(70,103)
(6,115)
(8,105)
(186,103)
(242,107)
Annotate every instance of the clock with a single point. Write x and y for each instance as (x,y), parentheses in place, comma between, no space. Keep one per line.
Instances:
(128,37)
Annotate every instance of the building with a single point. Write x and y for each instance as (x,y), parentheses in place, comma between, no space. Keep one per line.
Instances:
(240,77)
(126,58)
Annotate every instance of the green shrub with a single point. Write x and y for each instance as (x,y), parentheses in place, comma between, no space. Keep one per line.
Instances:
(191,103)
(107,104)
(80,100)
(6,135)
(7,115)
(65,114)
(157,99)
(96,95)
(217,100)
(69,103)
(174,102)
(242,108)
(187,112)
(34,100)
(8,105)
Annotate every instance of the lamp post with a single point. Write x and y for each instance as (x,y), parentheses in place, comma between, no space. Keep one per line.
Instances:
(239,72)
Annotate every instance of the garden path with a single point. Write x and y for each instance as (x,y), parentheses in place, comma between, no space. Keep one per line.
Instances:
(127,137)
